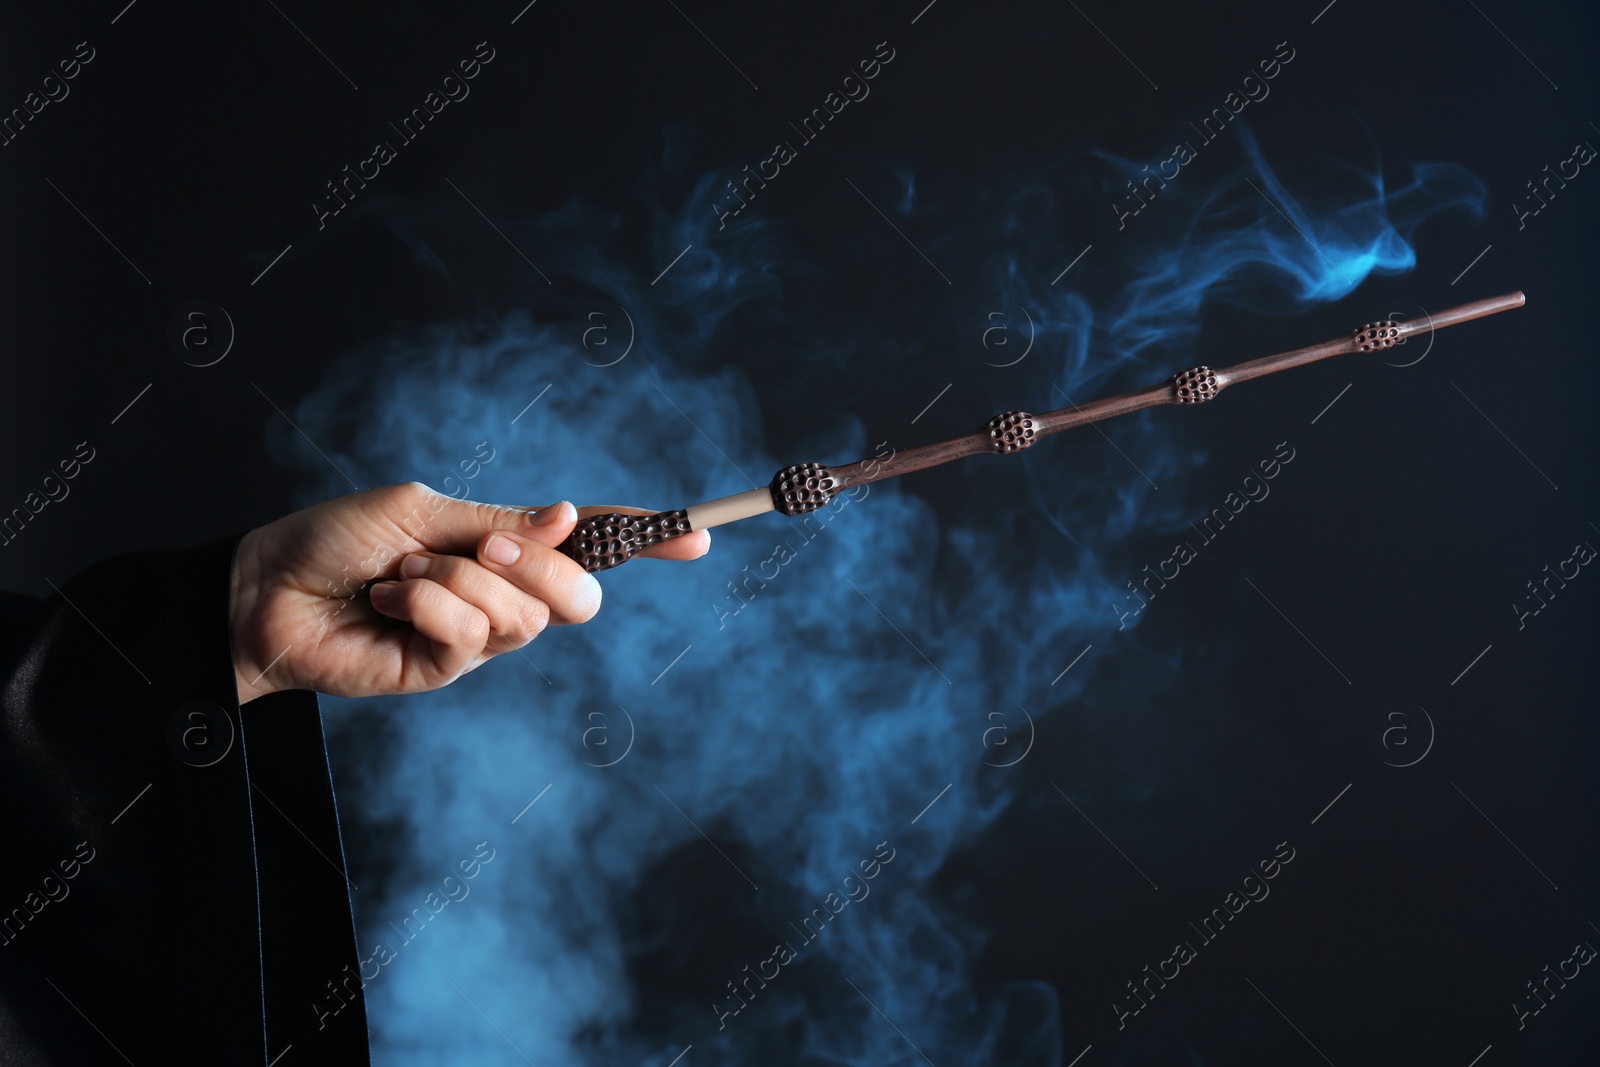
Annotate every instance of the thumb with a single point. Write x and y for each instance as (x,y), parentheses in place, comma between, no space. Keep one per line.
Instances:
(551,525)
(455,527)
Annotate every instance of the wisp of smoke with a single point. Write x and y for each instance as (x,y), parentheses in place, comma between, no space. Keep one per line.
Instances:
(761,730)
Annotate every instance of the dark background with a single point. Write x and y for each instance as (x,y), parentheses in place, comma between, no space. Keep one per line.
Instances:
(195,141)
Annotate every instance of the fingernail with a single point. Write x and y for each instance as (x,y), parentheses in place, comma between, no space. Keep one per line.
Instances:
(381,592)
(502,550)
(414,566)
(549,514)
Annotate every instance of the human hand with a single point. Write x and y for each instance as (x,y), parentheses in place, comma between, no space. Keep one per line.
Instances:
(304,613)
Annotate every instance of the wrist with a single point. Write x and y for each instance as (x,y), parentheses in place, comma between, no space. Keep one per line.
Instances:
(244,596)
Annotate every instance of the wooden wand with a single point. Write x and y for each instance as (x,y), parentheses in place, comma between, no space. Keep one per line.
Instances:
(604,541)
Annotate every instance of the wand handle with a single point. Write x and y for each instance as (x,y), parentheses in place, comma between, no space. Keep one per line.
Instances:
(601,542)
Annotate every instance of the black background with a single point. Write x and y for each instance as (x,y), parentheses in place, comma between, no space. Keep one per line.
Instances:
(196,140)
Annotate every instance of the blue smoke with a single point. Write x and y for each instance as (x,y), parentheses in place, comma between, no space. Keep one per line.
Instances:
(840,699)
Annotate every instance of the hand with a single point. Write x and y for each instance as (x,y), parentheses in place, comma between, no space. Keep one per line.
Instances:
(457,583)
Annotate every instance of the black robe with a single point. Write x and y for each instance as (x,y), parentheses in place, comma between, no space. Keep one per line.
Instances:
(172,881)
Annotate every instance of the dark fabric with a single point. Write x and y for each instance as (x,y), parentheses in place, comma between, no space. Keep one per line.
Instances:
(172,882)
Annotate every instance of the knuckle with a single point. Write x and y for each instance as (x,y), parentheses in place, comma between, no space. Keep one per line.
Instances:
(408,493)
(419,596)
(533,615)
(474,628)
(545,569)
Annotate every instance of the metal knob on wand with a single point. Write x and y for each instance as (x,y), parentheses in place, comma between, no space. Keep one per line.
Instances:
(601,542)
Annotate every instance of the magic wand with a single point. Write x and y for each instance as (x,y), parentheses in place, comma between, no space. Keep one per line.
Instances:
(604,541)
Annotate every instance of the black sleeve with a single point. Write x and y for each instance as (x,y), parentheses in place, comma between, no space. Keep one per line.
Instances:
(173,886)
